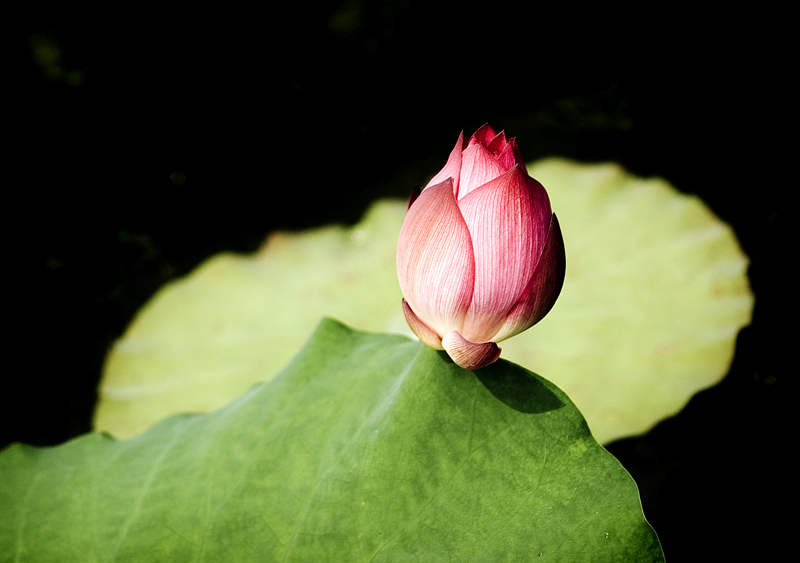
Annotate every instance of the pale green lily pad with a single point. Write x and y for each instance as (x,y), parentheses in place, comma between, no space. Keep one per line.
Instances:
(655,293)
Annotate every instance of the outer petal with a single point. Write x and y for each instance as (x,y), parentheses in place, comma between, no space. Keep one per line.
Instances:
(470,355)
(435,264)
(478,166)
(425,333)
(508,219)
(453,167)
(543,288)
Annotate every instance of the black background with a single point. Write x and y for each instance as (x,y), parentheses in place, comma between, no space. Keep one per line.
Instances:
(141,142)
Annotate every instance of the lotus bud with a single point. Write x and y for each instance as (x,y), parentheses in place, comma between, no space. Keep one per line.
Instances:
(480,256)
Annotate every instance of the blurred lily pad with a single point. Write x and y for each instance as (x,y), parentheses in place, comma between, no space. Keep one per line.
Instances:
(656,291)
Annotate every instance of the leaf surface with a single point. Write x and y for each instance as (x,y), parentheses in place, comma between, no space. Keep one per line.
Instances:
(364,448)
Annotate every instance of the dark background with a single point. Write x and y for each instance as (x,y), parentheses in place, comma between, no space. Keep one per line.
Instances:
(142,142)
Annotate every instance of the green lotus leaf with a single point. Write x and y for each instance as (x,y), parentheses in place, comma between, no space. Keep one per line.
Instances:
(366,447)
(655,293)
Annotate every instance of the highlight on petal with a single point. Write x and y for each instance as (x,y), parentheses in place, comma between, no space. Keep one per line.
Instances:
(543,289)
(452,169)
(508,220)
(435,263)
(478,166)
(470,355)
(425,333)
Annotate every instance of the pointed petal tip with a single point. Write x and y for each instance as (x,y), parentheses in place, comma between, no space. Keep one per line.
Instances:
(470,355)
(483,135)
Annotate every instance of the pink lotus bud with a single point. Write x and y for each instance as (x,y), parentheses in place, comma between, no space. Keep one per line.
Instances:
(480,256)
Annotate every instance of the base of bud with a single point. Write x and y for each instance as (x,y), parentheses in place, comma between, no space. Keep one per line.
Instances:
(470,355)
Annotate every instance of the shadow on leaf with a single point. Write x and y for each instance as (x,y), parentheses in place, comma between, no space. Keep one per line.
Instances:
(517,387)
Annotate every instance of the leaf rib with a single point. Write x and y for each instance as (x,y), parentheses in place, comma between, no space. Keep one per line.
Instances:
(134,513)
